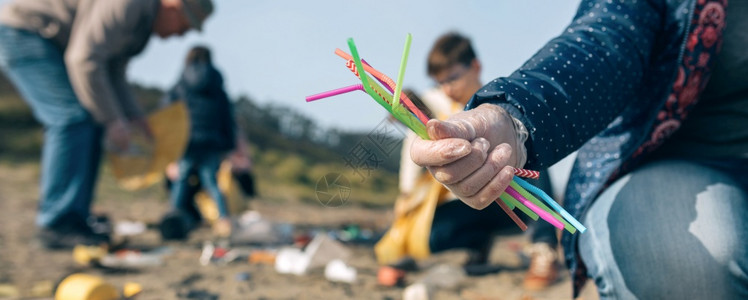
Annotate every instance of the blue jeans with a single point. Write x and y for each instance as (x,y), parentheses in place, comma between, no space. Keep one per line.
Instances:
(671,230)
(205,164)
(72,139)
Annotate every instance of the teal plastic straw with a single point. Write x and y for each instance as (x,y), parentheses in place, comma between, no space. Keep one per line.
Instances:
(401,72)
(574,222)
(542,206)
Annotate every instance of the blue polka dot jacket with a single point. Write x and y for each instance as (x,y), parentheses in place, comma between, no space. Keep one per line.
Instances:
(614,86)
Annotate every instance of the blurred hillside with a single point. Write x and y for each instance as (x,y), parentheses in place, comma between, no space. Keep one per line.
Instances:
(290,151)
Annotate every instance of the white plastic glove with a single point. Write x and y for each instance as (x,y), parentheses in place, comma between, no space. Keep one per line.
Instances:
(472,153)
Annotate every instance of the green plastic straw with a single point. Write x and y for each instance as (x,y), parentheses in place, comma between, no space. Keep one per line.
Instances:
(540,204)
(401,72)
(360,68)
(379,93)
(513,202)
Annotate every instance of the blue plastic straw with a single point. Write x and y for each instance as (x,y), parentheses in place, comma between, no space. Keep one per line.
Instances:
(526,185)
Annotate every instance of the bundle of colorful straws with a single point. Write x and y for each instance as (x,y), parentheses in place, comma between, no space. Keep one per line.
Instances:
(400,106)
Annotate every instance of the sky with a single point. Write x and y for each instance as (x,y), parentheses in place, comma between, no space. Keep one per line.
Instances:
(281,50)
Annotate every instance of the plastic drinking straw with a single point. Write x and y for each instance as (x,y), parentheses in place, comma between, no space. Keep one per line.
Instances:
(542,206)
(401,72)
(526,173)
(543,214)
(384,83)
(401,114)
(360,68)
(513,202)
(385,100)
(574,222)
(512,215)
(335,92)
(508,204)
(343,90)
(387,82)
(379,97)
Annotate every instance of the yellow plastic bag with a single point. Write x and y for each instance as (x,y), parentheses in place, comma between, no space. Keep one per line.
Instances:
(143,165)
(410,231)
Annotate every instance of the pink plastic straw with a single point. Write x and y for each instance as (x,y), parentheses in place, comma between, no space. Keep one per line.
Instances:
(343,90)
(542,213)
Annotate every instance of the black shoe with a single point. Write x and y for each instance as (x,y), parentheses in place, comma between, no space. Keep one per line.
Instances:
(68,234)
(176,225)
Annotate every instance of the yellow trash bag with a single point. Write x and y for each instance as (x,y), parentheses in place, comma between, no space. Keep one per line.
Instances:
(228,187)
(409,234)
(143,164)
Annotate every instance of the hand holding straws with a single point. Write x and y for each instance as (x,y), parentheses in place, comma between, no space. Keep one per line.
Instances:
(516,195)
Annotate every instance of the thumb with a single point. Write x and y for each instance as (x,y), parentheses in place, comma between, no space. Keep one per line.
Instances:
(438,130)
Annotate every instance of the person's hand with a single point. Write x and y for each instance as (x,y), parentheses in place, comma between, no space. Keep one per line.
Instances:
(117,136)
(240,161)
(473,153)
(141,125)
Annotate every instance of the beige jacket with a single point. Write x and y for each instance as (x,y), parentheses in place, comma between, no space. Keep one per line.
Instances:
(98,38)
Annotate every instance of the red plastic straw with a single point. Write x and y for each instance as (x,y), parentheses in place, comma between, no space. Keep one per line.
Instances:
(512,215)
(526,173)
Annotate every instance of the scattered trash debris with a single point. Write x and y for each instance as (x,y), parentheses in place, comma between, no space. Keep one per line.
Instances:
(132,289)
(134,258)
(291,261)
(438,277)
(337,270)
(88,255)
(212,254)
(242,276)
(129,228)
(320,251)
(253,229)
(206,256)
(263,257)
(81,286)
(389,276)
(301,240)
(354,234)
(8,291)
(418,291)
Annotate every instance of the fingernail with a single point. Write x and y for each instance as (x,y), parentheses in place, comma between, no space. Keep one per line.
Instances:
(459,149)
(482,144)
(506,175)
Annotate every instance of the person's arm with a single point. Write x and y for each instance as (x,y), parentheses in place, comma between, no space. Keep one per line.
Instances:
(580,81)
(566,93)
(94,58)
(118,71)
